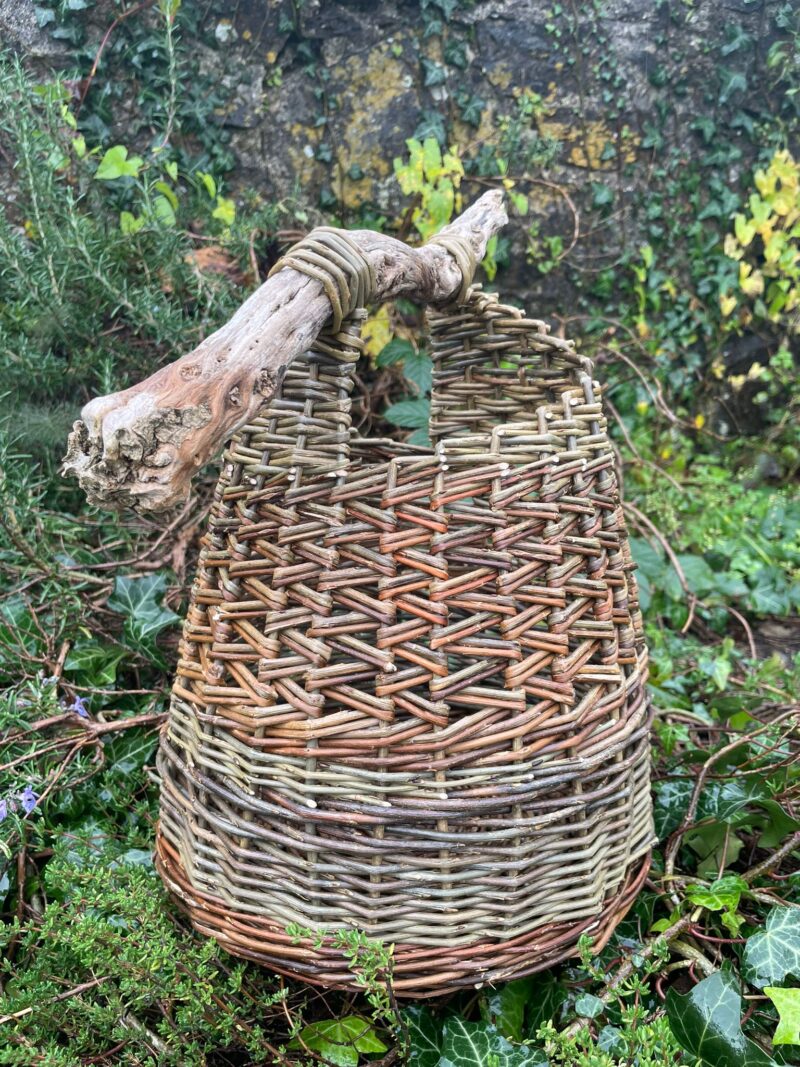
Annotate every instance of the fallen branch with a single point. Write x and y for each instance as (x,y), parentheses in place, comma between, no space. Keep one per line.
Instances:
(140,447)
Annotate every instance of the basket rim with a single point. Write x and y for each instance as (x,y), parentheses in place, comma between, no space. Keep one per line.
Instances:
(304,960)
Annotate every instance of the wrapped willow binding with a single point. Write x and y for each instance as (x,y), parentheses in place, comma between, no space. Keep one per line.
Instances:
(410,697)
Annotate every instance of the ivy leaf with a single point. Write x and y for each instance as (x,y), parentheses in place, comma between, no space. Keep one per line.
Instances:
(440,201)
(127,753)
(471,107)
(504,1007)
(602,194)
(670,801)
(116,164)
(489,261)
(733,81)
(209,183)
(707,1023)
(612,1041)
(544,1006)
(168,194)
(139,600)
(447,7)
(434,72)
(455,53)
(431,125)
(133,857)
(424,1037)
(724,893)
(44,16)
(588,1006)
(774,952)
(717,668)
(787,1001)
(715,846)
(129,223)
(520,202)
(479,1044)
(419,437)
(340,1040)
(699,576)
(362,1034)
(705,126)
(649,560)
(96,664)
(650,566)
(727,798)
(164,212)
(779,825)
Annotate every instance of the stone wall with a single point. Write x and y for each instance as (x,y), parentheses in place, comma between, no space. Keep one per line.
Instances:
(620,85)
(318,97)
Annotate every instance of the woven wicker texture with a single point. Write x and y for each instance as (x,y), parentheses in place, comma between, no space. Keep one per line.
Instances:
(410,695)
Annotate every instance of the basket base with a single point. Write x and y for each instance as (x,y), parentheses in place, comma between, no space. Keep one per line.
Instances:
(419,971)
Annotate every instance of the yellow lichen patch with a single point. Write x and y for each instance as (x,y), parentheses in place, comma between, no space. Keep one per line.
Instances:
(499,76)
(354,192)
(372,89)
(541,198)
(301,148)
(587,142)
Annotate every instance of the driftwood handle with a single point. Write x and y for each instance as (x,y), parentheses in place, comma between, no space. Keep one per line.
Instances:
(139,448)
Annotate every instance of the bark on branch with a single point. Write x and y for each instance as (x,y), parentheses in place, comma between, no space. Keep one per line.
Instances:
(140,447)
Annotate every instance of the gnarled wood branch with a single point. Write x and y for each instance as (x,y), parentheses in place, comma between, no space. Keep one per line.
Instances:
(140,447)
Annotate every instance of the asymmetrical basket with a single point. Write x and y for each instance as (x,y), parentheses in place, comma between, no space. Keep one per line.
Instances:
(410,696)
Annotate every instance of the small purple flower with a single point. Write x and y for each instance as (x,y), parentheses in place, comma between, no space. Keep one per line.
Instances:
(28,799)
(78,705)
(3,809)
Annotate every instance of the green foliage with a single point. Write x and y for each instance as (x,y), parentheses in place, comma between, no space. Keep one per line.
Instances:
(723,895)
(734,544)
(706,1022)
(433,179)
(648,1044)
(505,1007)
(99,280)
(769,275)
(106,966)
(339,1041)
(453,1042)
(520,1028)
(520,146)
(774,952)
(412,412)
(787,1001)
(176,100)
(138,599)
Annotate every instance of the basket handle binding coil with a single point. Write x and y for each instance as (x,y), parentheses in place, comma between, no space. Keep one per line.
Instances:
(140,447)
(459,405)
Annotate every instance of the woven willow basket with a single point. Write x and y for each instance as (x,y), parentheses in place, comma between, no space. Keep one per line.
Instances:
(410,697)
